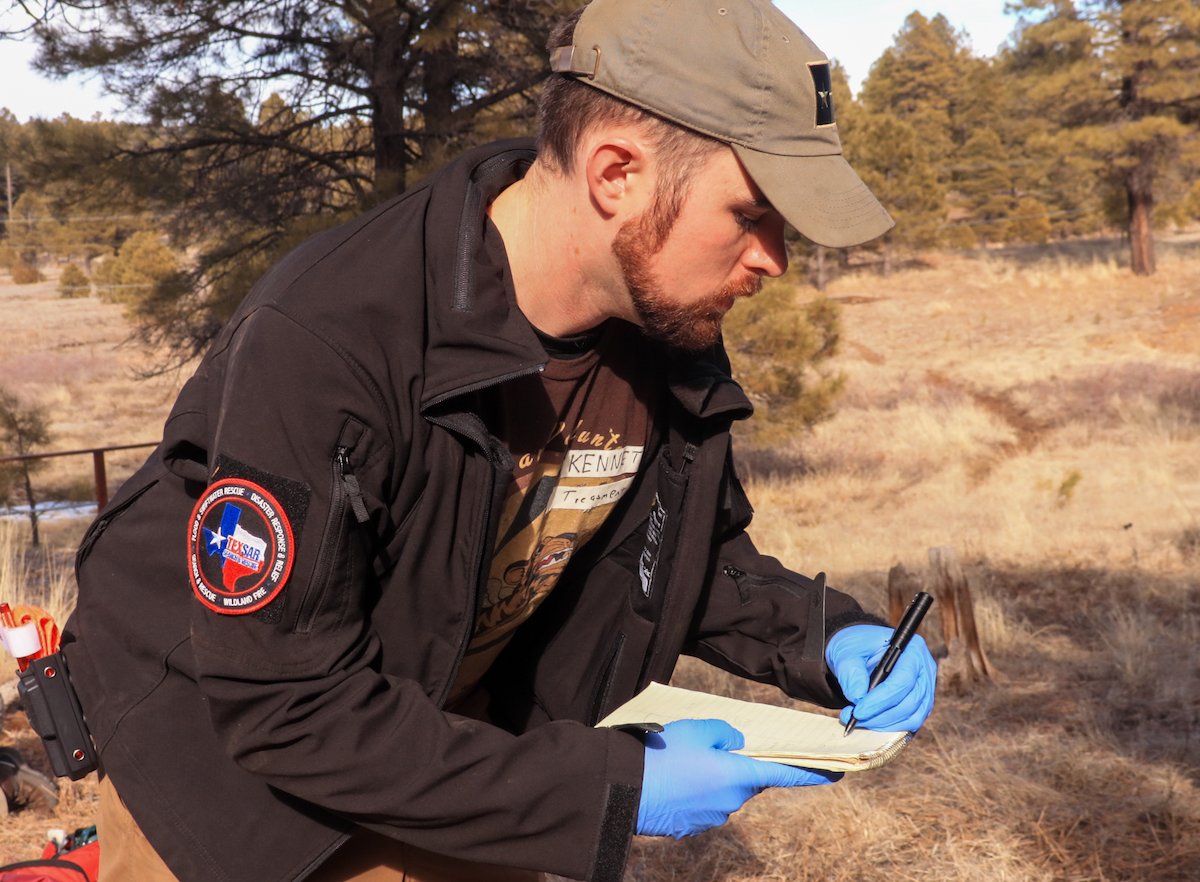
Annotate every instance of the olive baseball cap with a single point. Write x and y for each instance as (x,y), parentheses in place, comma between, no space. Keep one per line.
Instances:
(741,72)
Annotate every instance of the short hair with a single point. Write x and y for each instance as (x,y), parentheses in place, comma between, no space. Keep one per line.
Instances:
(568,109)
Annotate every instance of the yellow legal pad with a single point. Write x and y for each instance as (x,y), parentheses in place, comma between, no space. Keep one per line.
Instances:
(776,734)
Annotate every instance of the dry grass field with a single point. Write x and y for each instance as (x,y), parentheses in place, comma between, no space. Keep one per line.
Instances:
(75,358)
(1038,411)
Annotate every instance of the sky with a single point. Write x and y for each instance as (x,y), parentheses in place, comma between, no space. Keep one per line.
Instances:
(855,32)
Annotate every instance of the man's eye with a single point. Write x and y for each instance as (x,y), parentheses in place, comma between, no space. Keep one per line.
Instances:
(746,222)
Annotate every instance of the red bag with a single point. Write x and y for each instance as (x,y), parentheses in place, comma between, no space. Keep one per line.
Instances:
(80,864)
(77,865)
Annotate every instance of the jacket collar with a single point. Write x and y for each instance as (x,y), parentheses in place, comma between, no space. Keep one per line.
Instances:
(705,387)
(477,336)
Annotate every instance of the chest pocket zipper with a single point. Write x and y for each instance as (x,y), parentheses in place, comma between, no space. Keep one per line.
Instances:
(349,481)
(812,594)
(101,524)
(344,490)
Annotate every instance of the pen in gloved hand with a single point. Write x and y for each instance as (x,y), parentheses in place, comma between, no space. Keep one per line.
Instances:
(900,637)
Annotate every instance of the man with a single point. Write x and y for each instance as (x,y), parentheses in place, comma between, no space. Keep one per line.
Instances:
(455,481)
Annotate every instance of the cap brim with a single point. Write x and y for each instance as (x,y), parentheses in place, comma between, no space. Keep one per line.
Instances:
(820,196)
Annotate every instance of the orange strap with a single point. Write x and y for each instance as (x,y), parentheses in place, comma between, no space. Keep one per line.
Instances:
(24,613)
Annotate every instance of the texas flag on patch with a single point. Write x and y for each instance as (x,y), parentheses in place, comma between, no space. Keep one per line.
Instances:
(242,552)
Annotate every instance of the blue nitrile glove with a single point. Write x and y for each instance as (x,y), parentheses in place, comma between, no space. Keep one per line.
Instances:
(900,703)
(692,782)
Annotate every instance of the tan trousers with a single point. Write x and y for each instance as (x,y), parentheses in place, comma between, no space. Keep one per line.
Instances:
(126,855)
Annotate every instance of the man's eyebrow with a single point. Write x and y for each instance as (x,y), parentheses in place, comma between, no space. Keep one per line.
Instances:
(759,202)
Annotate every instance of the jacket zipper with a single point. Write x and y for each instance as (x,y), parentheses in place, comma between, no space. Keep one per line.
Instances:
(604,682)
(746,581)
(345,488)
(482,440)
(474,594)
(656,639)
(743,580)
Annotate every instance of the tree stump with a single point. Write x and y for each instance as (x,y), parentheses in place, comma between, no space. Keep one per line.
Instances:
(966,662)
(902,586)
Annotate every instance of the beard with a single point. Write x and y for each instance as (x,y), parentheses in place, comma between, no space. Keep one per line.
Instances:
(691,326)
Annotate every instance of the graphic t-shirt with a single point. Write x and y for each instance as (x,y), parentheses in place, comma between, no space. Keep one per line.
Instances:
(576,433)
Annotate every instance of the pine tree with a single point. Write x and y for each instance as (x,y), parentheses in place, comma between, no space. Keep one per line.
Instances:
(1031,221)
(919,79)
(1070,183)
(1122,77)
(23,427)
(894,161)
(143,263)
(9,129)
(90,198)
(930,92)
(986,185)
(74,282)
(780,351)
(371,94)
(31,229)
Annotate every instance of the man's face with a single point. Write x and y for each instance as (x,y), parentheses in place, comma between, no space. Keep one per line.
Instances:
(684,276)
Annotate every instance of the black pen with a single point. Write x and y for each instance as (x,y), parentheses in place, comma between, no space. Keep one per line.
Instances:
(900,637)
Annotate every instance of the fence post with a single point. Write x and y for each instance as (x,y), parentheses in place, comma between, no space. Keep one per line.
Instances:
(101,480)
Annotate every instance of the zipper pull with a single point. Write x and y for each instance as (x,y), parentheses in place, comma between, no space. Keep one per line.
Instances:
(733,572)
(350,482)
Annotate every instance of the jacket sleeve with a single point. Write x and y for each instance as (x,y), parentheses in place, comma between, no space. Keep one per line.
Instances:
(762,621)
(294,687)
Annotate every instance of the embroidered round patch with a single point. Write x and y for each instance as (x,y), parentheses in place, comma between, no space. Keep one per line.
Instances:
(239,547)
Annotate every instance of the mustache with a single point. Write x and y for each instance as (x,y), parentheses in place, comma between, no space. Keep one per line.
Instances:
(748,287)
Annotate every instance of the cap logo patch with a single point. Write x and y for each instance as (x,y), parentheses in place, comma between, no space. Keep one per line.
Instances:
(823,86)
(240,547)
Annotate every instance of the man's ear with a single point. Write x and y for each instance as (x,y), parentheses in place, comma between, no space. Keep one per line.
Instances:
(617,176)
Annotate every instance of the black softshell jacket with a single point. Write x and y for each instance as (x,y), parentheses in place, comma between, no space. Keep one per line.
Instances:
(248,747)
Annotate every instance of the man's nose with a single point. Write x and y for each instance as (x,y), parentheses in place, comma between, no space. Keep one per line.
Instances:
(767,252)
